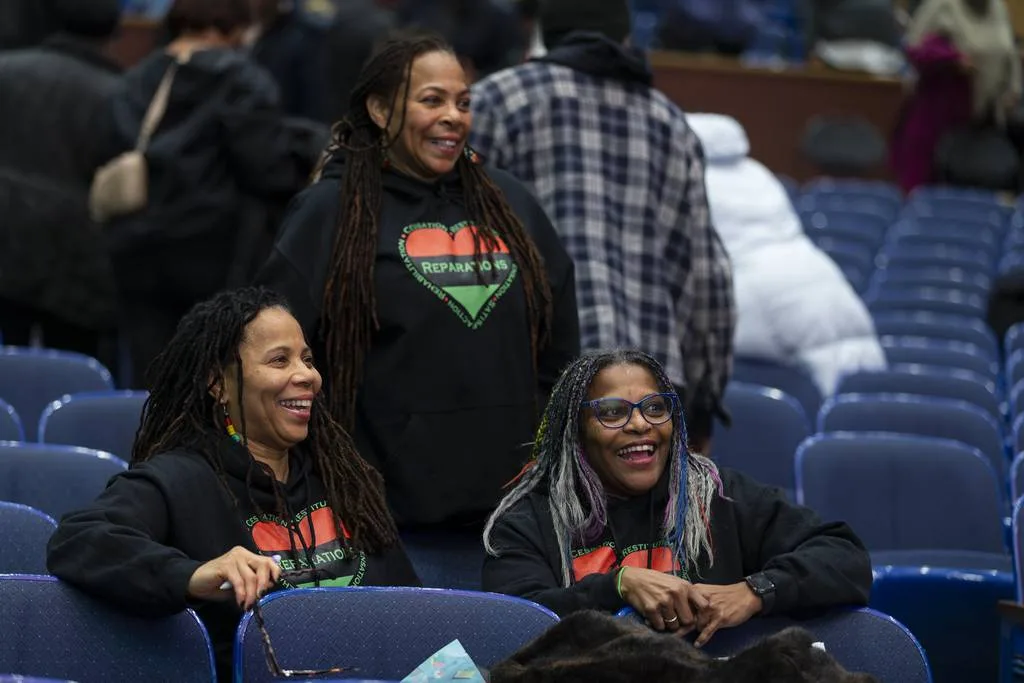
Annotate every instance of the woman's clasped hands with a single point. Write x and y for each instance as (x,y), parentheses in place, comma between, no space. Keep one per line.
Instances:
(675,605)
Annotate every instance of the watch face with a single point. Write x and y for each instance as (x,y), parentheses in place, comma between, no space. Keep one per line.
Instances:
(760,584)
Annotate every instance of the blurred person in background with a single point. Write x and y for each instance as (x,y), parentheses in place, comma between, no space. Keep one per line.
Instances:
(290,47)
(55,279)
(24,23)
(794,305)
(968,74)
(616,167)
(487,35)
(221,156)
(357,28)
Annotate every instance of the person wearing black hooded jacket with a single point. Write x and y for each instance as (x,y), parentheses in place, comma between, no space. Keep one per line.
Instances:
(238,475)
(221,161)
(435,291)
(54,101)
(615,512)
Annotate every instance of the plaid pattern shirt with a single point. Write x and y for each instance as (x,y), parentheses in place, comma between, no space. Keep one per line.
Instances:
(621,175)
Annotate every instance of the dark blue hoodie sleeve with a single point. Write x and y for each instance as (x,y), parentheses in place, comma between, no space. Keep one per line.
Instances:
(116,549)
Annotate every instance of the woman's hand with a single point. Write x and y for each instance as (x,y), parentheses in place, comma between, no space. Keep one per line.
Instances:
(666,601)
(249,574)
(728,606)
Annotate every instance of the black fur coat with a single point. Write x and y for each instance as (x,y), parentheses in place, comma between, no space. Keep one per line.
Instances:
(592,647)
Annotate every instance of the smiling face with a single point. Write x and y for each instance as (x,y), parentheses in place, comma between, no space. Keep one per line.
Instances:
(630,460)
(433,134)
(278,383)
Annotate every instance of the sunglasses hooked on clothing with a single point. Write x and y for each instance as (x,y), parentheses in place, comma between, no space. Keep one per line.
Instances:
(615,413)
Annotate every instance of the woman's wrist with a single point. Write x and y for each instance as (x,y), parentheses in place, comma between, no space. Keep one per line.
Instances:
(618,581)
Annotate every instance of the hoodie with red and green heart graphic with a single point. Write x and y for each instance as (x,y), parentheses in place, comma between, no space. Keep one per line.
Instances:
(449,399)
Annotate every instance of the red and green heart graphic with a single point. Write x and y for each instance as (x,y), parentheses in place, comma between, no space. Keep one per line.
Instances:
(442,259)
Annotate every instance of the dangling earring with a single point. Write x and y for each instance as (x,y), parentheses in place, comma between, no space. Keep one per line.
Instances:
(472,155)
(229,425)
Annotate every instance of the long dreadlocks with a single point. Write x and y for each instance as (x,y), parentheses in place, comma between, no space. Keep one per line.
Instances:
(181,412)
(349,303)
(575,493)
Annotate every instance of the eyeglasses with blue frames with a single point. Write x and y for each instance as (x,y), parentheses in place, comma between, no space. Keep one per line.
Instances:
(615,413)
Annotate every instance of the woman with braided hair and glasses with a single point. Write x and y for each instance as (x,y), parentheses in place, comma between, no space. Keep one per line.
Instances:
(437,289)
(614,512)
(240,482)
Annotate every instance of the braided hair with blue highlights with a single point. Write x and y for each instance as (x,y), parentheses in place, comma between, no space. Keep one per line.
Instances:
(575,492)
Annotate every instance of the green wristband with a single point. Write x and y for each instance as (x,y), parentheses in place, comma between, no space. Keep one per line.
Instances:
(618,581)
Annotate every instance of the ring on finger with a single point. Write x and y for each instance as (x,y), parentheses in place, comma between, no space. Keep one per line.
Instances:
(672,620)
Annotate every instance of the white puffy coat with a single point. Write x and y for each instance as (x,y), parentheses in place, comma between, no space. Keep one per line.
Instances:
(794,304)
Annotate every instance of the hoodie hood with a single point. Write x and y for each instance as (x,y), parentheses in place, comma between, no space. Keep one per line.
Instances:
(722,137)
(239,467)
(597,55)
(749,206)
(448,186)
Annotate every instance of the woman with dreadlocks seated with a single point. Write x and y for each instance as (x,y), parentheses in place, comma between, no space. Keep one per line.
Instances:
(439,290)
(614,512)
(240,481)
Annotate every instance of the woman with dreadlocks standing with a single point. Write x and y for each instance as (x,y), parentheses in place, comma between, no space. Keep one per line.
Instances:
(614,512)
(442,297)
(239,475)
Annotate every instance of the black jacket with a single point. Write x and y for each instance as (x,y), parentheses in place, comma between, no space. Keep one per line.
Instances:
(292,51)
(154,525)
(449,399)
(222,142)
(54,105)
(54,112)
(753,529)
(357,26)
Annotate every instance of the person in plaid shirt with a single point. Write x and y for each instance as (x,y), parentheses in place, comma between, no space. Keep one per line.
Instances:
(620,173)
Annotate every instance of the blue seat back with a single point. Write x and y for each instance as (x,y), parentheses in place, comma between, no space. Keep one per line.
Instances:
(395,629)
(940,353)
(917,415)
(24,533)
(32,378)
(982,241)
(903,493)
(54,479)
(105,421)
(446,559)
(929,300)
(10,423)
(53,630)
(967,330)
(904,259)
(862,640)
(959,385)
(756,412)
(1014,339)
(789,380)
(907,279)
(1015,368)
(951,613)
(870,226)
(1018,546)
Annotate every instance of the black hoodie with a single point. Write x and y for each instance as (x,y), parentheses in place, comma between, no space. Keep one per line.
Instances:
(222,144)
(449,399)
(153,526)
(753,529)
